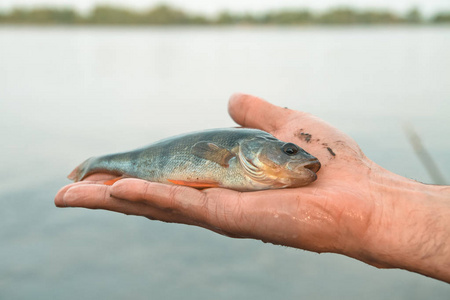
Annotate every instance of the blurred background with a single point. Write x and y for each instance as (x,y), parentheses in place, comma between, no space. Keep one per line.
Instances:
(89,78)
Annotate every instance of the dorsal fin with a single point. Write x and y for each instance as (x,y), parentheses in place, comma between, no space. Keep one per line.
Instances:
(212,152)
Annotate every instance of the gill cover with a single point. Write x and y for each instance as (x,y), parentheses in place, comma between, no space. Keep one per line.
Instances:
(250,154)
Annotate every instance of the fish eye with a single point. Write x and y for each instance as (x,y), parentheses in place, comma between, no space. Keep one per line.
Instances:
(290,149)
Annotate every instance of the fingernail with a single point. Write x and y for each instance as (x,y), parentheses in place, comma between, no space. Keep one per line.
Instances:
(68,197)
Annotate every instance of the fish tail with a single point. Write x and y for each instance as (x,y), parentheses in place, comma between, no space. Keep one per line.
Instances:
(114,164)
(81,171)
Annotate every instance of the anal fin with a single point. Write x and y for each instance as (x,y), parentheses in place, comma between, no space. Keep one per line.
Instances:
(112,181)
(196,184)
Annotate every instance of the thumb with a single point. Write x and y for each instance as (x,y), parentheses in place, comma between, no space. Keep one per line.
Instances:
(254,112)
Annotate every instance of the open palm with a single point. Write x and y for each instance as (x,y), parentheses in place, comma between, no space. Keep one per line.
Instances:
(328,215)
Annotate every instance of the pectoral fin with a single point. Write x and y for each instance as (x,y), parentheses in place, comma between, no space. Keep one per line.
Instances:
(213,152)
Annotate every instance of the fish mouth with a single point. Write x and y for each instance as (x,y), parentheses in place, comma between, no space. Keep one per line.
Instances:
(312,165)
(307,170)
(304,173)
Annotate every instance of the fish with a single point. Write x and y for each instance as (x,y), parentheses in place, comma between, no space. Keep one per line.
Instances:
(240,159)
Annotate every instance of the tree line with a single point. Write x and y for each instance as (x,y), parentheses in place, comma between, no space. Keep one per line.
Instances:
(167,15)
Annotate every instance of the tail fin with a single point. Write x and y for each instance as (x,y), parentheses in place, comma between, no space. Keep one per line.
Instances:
(81,171)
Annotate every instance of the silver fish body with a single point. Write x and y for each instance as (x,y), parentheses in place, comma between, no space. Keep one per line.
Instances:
(236,158)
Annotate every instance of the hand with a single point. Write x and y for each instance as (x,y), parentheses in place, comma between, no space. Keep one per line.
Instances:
(355,207)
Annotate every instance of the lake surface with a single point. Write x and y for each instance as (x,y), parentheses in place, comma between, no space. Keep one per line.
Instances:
(70,93)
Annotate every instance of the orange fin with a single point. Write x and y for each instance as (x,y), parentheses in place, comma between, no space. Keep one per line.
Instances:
(198,184)
(112,181)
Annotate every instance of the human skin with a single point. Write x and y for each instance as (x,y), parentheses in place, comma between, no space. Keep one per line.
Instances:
(355,208)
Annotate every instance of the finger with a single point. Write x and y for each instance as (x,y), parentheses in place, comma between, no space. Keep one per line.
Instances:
(99,197)
(158,194)
(91,179)
(198,206)
(59,201)
(182,204)
(253,112)
(96,196)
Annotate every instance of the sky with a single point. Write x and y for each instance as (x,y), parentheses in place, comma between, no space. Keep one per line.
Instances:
(214,6)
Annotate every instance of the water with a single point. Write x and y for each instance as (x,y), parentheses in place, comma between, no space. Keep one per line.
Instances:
(69,93)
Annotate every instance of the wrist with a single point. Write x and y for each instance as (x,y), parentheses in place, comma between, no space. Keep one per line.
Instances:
(411,229)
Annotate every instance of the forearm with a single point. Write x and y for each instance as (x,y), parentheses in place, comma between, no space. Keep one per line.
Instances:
(413,230)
